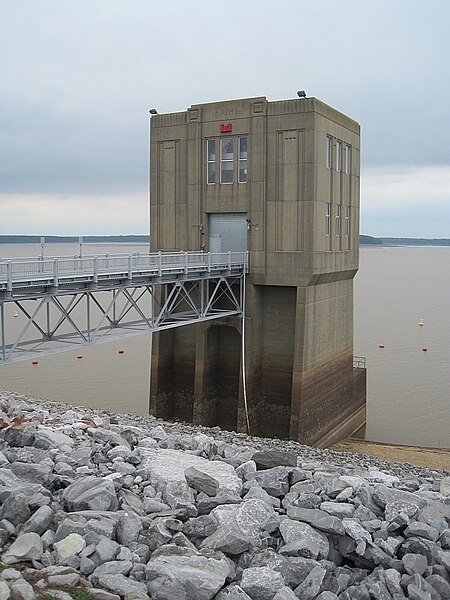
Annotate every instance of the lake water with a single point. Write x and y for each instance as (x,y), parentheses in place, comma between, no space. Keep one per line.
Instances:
(397,287)
(408,390)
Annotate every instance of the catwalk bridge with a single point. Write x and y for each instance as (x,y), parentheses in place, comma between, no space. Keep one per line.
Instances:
(54,304)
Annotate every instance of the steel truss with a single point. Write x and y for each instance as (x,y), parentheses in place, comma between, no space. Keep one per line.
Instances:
(58,320)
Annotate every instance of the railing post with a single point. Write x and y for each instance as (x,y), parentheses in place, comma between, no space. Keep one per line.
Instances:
(186,269)
(9,276)
(95,279)
(209,262)
(229,260)
(130,268)
(159,263)
(55,272)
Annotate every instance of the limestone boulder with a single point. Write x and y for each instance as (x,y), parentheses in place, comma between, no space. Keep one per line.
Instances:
(69,546)
(382,494)
(303,540)
(48,438)
(274,458)
(129,526)
(202,482)
(166,465)
(318,519)
(40,521)
(240,526)
(112,567)
(121,585)
(274,481)
(310,588)
(444,486)
(22,590)
(34,473)
(261,582)
(15,508)
(27,546)
(90,493)
(189,575)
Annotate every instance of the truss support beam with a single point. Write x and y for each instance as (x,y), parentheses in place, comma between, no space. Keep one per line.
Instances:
(56,320)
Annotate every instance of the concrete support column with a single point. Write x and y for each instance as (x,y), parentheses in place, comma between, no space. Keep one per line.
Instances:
(161,379)
(297,368)
(204,385)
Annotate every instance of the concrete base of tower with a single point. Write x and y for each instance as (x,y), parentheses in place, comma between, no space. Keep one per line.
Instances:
(344,429)
(197,377)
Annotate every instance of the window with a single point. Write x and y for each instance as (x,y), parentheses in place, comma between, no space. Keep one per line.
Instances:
(233,153)
(211,161)
(242,160)
(348,159)
(338,220)
(329,152)
(347,221)
(328,220)
(338,156)
(226,160)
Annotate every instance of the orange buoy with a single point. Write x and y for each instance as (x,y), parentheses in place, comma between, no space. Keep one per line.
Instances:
(34,362)
(380,345)
(79,356)
(424,349)
(121,351)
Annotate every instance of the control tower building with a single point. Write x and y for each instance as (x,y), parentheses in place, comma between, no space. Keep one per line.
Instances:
(281,180)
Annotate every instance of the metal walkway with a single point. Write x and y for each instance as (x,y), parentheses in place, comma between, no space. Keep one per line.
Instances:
(61,303)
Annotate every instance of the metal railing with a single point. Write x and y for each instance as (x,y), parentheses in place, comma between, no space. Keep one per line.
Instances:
(16,270)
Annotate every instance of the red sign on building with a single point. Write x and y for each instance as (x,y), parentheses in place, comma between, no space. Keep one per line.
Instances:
(226,127)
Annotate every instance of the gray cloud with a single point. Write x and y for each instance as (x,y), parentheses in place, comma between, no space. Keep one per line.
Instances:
(78,78)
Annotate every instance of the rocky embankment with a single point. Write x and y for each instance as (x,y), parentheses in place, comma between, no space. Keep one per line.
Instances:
(120,506)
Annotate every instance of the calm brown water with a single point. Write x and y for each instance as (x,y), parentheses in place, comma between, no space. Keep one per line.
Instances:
(408,389)
(396,287)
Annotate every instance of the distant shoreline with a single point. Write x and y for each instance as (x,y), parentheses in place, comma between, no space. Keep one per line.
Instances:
(71,239)
(364,240)
(392,241)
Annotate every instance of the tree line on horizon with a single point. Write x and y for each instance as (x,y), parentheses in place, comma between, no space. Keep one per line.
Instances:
(143,239)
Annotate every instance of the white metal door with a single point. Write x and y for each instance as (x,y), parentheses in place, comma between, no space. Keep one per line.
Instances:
(227,232)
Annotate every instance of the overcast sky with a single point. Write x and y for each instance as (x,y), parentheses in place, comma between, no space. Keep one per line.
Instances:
(77,78)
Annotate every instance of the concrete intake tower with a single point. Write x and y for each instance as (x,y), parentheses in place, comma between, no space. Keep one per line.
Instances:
(281,180)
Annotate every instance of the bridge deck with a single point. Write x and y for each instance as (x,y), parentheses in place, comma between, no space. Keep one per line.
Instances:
(34,276)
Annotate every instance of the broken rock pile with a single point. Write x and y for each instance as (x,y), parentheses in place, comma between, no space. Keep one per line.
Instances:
(122,506)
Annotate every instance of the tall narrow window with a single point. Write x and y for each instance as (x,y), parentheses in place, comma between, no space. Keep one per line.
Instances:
(338,155)
(328,220)
(338,220)
(347,221)
(226,160)
(211,161)
(243,160)
(329,152)
(348,159)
